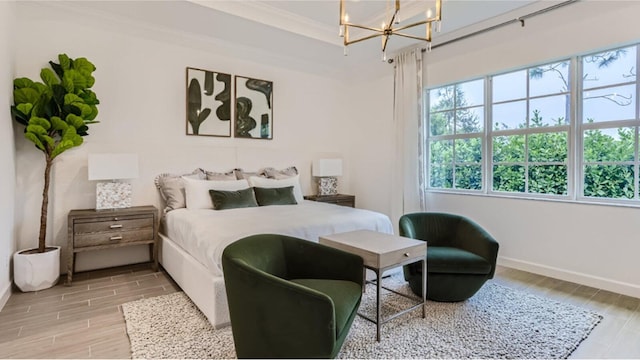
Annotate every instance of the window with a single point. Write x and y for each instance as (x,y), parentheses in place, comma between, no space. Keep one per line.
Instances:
(456,127)
(567,129)
(610,124)
(530,116)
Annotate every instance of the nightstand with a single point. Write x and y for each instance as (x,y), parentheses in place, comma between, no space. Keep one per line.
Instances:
(91,230)
(338,199)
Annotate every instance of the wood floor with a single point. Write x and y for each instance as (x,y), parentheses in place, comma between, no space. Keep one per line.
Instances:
(85,320)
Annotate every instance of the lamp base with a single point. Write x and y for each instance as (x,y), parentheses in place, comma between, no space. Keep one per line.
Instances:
(327,186)
(113,195)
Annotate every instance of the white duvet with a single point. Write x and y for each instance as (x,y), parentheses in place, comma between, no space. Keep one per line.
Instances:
(204,233)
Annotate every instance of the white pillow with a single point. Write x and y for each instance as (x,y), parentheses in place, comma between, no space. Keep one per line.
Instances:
(197,191)
(294,181)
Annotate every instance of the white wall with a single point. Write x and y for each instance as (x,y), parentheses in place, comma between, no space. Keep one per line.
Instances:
(140,81)
(7,158)
(593,245)
(372,132)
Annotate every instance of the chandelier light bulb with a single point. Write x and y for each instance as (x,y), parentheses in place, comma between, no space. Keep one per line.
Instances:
(429,13)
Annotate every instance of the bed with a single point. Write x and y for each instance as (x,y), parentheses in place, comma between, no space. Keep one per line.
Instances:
(192,241)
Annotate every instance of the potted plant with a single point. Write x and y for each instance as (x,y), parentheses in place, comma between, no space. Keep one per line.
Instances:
(56,114)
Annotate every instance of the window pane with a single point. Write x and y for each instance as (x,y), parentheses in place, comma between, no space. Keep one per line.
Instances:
(510,86)
(470,120)
(441,123)
(512,115)
(508,148)
(549,79)
(615,103)
(548,147)
(508,178)
(615,144)
(441,152)
(609,67)
(469,150)
(469,177)
(609,181)
(549,111)
(441,98)
(441,176)
(472,93)
(548,179)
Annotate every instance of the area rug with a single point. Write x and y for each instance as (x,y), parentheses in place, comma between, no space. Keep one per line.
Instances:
(498,322)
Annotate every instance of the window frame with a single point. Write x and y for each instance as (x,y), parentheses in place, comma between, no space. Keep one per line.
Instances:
(526,132)
(575,130)
(582,126)
(455,136)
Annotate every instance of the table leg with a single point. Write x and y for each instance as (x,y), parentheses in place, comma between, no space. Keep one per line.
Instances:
(379,286)
(424,288)
(364,279)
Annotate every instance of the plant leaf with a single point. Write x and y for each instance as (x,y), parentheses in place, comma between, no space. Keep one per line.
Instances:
(65,62)
(49,77)
(34,139)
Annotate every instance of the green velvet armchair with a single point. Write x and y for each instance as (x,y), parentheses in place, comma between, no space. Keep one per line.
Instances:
(461,256)
(290,298)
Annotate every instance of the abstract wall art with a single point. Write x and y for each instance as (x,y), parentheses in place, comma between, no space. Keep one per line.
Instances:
(208,103)
(254,108)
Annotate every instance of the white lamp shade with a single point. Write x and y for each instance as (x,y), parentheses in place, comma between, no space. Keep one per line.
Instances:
(327,167)
(113,166)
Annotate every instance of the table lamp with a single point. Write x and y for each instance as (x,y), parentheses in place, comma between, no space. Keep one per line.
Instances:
(327,170)
(113,194)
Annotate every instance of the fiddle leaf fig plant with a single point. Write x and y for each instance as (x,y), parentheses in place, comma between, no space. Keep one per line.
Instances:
(56,114)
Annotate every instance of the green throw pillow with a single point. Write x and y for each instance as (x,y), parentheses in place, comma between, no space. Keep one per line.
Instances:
(275,196)
(223,200)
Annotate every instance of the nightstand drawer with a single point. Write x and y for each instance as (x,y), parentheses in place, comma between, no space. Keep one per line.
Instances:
(89,226)
(113,237)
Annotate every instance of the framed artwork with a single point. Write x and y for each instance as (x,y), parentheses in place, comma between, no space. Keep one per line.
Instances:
(208,103)
(254,108)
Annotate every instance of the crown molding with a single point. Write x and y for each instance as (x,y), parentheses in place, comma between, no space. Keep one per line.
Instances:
(269,15)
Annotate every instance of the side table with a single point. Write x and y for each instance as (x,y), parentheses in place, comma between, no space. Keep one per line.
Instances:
(382,252)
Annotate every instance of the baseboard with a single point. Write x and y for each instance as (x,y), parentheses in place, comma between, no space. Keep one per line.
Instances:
(572,276)
(4,295)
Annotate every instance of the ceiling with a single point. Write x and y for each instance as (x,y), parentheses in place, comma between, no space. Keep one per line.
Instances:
(302,31)
(318,19)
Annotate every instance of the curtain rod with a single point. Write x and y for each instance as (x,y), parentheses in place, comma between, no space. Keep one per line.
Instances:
(520,19)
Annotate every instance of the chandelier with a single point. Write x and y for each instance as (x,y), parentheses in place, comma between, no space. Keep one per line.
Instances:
(387,29)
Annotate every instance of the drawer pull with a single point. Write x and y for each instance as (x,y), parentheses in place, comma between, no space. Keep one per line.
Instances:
(115,238)
(406,254)
(117,226)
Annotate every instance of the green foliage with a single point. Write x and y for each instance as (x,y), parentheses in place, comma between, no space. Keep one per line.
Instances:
(56,112)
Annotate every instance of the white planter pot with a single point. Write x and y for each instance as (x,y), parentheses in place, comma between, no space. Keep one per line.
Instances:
(38,271)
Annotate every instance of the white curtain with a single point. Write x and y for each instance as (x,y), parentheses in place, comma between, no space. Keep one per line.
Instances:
(407,179)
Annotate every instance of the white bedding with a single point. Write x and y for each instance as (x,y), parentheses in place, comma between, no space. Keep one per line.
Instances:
(204,233)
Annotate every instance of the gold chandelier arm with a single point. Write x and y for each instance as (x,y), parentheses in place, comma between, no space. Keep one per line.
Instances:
(412,36)
(411,25)
(385,39)
(362,39)
(363,27)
